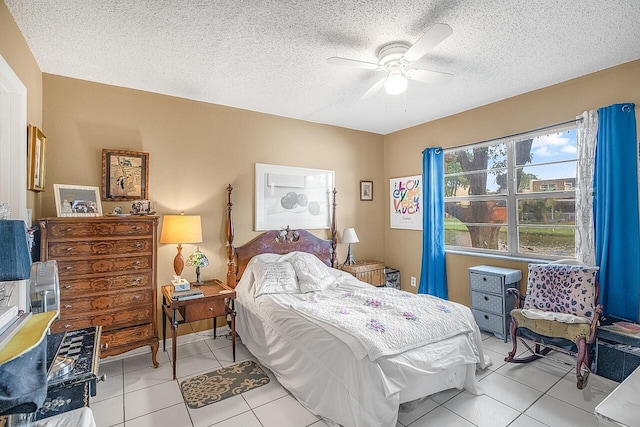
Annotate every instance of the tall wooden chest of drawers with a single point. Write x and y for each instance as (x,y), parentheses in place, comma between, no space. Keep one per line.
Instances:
(490,303)
(107,272)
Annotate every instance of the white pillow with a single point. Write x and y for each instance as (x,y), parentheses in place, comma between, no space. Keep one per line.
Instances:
(313,274)
(275,278)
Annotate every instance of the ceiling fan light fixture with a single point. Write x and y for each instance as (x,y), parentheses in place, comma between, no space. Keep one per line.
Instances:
(396,82)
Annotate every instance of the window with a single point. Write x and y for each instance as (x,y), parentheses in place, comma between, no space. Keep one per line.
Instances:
(513,197)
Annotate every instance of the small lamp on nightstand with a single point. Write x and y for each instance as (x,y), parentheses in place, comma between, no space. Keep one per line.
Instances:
(349,236)
(197,260)
(181,229)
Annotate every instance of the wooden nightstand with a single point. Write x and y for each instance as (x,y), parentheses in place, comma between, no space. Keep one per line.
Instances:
(218,300)
(368,271)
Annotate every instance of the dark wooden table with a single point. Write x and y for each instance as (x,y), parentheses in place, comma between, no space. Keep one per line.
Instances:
(217,300)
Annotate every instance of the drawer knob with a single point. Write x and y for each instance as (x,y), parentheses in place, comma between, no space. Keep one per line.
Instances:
(68,268)
(68,229)
(137,227)
(137,297)
(210,308)
(68,286)
(68,306)
(486,298)
(69,249)
(137,263)
(484,279)
(486,317)
(67,326)
(137,245)
(104,346)
(137,279)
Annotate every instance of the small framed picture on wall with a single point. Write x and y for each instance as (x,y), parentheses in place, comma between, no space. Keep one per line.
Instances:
(366,190)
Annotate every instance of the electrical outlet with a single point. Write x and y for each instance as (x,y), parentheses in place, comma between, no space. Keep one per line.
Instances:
(413,281)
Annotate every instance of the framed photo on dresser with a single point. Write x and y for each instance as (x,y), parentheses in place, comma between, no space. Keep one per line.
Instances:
(77,200)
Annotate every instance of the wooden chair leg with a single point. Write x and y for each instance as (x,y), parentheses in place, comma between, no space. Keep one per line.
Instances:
(512,330)
(581,358)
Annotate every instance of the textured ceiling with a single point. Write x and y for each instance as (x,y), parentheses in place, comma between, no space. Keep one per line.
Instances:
(270,55)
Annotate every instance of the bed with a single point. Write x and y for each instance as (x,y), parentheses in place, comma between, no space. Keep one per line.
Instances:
(296,327)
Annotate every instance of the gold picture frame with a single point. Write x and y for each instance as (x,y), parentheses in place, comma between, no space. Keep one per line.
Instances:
(36,147)
(125,175)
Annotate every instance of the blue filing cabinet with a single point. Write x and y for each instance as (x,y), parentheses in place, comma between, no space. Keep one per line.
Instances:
(490,303)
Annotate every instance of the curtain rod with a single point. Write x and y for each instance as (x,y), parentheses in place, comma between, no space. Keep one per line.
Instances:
(578,119)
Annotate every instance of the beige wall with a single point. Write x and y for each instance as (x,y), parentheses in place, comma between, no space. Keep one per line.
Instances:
(16,52)
(195,150)
(558,103)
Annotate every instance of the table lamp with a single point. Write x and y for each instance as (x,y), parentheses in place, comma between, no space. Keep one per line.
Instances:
(15,259)
(349,236)
(181,229)
(197,260)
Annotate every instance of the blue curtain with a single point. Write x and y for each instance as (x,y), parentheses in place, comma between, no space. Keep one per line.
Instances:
(615,208)
(433,276)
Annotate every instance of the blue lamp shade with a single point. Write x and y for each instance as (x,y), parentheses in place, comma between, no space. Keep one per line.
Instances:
(15,260)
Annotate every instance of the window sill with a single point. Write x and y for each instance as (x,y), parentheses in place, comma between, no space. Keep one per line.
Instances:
(497,256)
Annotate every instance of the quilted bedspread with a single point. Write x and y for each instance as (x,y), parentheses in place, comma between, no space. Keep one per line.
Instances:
(383,322)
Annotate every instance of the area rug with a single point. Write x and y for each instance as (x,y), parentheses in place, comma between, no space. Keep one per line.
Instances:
(212,387)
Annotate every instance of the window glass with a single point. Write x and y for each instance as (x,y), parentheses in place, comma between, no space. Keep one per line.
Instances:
(535,175)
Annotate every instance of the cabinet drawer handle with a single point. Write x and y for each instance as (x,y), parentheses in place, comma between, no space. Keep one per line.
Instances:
(68,268)
(68,306)
(68,229)
(137,297)
(210,308)
(137,245)
(137,263)
(137,227)
(484,279)
(69,249)
(67,326)
(486,317)
(68,286)
(104,346)
(486,298)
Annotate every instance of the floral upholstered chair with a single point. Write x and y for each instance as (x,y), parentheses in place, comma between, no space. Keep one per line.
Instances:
(559,312)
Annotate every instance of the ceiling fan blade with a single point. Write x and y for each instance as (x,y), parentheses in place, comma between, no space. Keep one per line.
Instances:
(352,63)
(430,39)
(428,76)
(373,89)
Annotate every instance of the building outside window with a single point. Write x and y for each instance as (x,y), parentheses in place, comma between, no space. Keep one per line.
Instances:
(513,197)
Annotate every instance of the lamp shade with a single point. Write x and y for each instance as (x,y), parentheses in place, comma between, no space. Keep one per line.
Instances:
(197,259)
(181,229)
(349,236)
(15,259)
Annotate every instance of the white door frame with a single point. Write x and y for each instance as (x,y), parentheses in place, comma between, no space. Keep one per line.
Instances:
(13,158)
(13,141)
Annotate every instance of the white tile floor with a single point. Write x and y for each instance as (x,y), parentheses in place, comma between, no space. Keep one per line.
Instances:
(541,393)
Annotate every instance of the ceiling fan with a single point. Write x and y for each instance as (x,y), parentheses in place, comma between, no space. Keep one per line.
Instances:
(398,59)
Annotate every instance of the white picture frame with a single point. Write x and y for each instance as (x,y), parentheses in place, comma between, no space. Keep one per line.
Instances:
(405,200)
(77,200)
(299,198)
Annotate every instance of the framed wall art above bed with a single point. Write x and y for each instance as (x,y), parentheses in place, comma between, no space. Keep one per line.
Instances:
(291,196)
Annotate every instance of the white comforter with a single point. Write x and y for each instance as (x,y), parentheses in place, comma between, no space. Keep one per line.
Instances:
(324,374)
